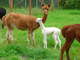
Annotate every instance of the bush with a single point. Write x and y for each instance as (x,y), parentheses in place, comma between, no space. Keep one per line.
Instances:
(70,4)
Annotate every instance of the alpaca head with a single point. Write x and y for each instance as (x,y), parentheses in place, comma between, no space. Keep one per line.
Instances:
(45,8)
(39,20)
(2,12)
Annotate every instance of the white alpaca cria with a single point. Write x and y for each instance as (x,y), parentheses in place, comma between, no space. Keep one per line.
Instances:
(48,30)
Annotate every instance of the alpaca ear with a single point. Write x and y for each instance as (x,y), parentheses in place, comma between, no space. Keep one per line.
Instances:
(49,5)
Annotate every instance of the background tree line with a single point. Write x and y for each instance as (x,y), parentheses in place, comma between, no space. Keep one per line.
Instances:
(70,4)
(66,4)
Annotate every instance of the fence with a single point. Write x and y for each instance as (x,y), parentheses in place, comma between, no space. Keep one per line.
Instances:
(25,3)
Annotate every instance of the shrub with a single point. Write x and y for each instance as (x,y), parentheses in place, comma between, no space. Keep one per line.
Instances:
(70,4)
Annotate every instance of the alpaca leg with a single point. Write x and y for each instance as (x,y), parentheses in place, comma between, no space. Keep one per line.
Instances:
(59,41)
(29,37)
(45,41)
(65,47)
(9,35)
(56,45)
(33,38)
(67,53)
(55,36)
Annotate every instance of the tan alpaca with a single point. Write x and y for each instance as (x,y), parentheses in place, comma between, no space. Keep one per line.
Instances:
(23,22)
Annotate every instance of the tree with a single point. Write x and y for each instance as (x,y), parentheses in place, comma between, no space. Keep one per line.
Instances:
(30,6)
(11,3)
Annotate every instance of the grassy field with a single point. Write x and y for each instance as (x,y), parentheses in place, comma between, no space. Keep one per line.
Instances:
(20,50)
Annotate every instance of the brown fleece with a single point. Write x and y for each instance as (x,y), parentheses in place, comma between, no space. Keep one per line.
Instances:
(24,22)
(70,33)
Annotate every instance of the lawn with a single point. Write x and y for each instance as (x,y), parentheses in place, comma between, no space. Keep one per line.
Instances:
(20,50)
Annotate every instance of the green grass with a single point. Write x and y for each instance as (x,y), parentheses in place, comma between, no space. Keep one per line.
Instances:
(20,50)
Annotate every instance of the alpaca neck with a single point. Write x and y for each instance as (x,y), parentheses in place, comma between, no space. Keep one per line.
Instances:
(44,18)
(41,25)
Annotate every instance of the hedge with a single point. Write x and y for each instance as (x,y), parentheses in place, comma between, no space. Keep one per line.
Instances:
(70,4)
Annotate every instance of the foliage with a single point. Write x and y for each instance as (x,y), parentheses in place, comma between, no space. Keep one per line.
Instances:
(22,3)
(70,4)
(14,50)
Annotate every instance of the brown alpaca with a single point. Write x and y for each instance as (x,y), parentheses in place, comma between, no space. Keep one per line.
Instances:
(70,33)
(23,22)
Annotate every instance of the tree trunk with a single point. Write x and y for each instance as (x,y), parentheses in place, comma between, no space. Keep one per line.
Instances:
(30,6)
(25,4)
(11,3)
(52,5)
(36,3)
